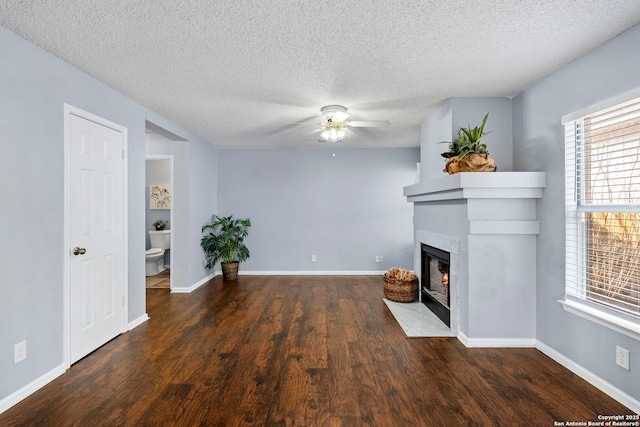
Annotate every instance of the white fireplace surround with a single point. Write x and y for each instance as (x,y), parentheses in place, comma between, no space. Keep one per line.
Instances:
(448,244)
(487,222)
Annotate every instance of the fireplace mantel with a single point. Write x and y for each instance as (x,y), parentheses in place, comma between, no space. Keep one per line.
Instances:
(487,221)
(498,202)
(478,185)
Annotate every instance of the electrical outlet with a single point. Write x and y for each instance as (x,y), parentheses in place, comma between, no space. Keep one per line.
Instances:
(379,258)
(19,352)
(314,258)
(622,357)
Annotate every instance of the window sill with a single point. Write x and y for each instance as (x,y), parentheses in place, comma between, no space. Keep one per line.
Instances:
(616,323)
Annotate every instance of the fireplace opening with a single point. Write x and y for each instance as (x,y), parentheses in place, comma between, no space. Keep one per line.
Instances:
(434,286)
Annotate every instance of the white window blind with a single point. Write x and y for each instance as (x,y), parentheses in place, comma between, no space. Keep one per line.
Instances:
(602,167)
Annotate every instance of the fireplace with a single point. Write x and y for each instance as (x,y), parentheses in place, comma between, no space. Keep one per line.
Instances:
(434,283)
(491,232)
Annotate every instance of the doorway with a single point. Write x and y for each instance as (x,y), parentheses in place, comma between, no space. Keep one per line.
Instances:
(95,222)
(163,145)
(159,182)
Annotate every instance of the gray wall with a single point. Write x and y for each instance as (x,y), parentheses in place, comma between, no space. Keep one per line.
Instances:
(345,209)
(35,85)
(203,201)
(434,129)
(157,145)
(539,146)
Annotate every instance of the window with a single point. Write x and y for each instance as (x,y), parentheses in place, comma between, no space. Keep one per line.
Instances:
(602,170)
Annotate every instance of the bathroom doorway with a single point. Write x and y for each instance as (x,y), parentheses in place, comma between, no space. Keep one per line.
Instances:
(158,220)
(162,145)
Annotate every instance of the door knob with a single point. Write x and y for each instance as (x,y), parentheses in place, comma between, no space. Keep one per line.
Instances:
(79,251)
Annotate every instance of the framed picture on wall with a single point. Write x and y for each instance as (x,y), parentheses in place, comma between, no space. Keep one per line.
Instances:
(160,197)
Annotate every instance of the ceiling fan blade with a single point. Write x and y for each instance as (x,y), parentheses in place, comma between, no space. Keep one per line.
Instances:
(311,132)
(305,124)
(339,116)
(368,124)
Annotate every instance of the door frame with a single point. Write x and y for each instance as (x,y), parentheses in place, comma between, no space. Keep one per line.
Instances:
(170,158)
(70,110)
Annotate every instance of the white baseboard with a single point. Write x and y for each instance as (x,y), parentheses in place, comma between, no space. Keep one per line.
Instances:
(139,321)
(31,388)
(310,273)
(496,342)
(187,290)
(602,385)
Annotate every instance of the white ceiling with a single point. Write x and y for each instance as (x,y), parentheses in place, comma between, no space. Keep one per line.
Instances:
(244,73)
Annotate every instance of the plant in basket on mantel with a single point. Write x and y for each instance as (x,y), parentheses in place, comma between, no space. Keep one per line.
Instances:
(467,154)
(225,242)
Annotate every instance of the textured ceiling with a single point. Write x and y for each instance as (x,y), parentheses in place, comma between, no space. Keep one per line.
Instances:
(246,72)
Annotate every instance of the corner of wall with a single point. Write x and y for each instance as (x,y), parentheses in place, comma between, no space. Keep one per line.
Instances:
(435,128)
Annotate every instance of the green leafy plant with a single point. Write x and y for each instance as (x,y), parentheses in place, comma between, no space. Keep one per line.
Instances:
(468,141)
(224,240)
(160,224)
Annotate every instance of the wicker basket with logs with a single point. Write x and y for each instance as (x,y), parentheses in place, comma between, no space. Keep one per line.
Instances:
(400,285)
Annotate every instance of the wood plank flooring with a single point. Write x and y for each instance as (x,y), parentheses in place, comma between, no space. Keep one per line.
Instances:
(162,280)
(301,351)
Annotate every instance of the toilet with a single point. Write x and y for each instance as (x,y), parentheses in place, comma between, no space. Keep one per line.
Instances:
(154,257)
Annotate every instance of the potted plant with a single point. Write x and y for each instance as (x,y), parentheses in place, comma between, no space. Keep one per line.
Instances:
(160,224)
(467,153)
(224,241)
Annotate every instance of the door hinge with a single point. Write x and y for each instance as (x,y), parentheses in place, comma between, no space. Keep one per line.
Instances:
(122,154)
(123,301)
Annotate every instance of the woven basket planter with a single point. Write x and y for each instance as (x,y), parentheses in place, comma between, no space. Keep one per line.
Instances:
(400,290)
(230,270)
(470,163)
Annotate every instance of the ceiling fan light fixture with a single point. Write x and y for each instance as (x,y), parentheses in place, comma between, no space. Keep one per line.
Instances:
(337,113)
(340,116)
(336,134)
(333,130)
(335,123)
(333,133)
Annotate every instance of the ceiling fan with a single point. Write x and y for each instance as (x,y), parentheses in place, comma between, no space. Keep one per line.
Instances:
(334,123)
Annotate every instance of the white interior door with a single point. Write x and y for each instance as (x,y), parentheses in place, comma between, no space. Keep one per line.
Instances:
(95,226)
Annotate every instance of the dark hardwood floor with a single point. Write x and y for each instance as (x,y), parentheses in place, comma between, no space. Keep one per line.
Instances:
(302,351)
